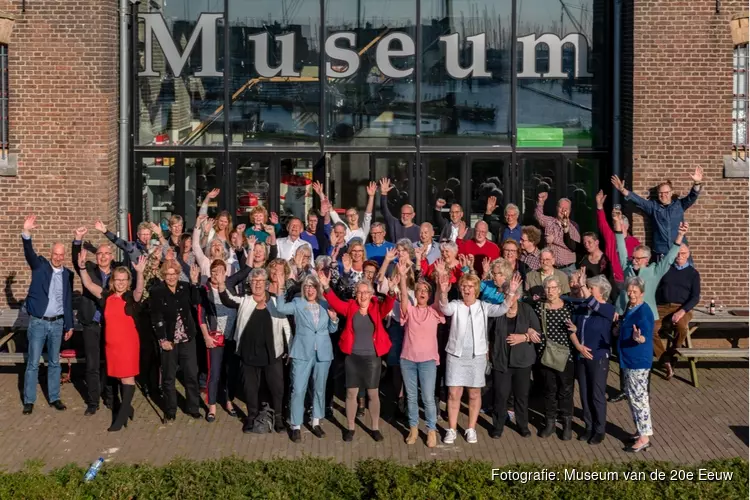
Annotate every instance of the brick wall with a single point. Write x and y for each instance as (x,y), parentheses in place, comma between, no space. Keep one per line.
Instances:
(681,100)
(63,125)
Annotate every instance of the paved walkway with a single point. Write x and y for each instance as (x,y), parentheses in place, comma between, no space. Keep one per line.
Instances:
(690,425)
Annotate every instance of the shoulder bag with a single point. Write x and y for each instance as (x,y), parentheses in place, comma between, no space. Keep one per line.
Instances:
(555,355)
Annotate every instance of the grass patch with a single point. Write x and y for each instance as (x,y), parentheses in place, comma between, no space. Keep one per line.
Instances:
(313,478)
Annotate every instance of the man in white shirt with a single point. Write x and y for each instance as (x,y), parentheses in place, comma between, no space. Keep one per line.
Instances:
(288,246)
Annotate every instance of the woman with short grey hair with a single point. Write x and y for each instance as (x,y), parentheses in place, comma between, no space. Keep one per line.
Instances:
(636,357)
(591,337)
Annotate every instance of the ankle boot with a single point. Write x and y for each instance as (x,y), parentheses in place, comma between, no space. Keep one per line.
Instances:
(125,410)
(549,429)
(413,435)
(567,434)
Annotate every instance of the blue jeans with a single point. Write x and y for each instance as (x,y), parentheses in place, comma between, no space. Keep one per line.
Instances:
(301,371)
(39,333)
(426,373)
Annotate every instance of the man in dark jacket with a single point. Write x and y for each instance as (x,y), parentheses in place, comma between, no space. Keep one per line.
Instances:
(454,227)
(91,318)
(49,303)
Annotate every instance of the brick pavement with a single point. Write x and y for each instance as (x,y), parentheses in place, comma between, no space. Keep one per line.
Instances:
(690,425)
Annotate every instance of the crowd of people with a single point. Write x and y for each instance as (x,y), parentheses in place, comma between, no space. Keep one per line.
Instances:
(285,317)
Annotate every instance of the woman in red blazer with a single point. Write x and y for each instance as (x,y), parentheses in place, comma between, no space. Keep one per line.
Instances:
(364,340)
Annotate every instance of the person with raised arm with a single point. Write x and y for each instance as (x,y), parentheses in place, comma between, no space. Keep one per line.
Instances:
(403,227)
(119,307)
(49,303)
(216,251)
(259,224)
(353,228)
(91,318)
(378,246)
(608,235)
(666,213)
(555,229)
(132,249)
(501,232)
(453,228)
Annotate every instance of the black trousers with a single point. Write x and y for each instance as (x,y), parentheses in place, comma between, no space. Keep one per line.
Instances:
(97,383)
(558,391)
(150,357)
(443,332)
(223,373)
(184,356)
(274,377)
(518,382)
(592,383)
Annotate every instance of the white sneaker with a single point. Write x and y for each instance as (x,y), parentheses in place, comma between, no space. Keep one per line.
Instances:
(450,436)
(471,436)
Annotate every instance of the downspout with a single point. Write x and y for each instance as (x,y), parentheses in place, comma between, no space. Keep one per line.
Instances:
(616,95)
(124,142)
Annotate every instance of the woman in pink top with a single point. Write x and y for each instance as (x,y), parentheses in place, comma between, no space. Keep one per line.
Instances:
(419,355)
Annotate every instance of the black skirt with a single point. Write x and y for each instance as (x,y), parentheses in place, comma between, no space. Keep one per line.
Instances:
(362,372)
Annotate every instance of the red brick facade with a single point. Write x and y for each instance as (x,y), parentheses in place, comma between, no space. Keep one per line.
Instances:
(681,62)
(677,103)
(63,125)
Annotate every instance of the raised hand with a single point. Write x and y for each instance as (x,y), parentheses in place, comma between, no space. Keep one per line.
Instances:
(325,207)
(213,193)
(390,255)
(385,185)
(274,218)
(491,204)
(515,282)
(201,219)
(617,183)
(140,265)
(208,224)
(195,273)
(241,228)
(439,204)
(99,226)
(419,253)
(463,260)
(251,241)
(332,314)
(600,197)
(155,228)
(697,176)
(542,197)
(80,233)
(470,260)
(346,261)
(270,229)
(29,224)
(637,335)
(372,188)
(82,258)
(683,229)
(325,279)
(445,283)
(318,188)
(485,266)
(403,268)
(617,224)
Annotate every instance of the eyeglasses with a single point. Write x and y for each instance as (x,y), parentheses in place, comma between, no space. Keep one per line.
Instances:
(510,250)
(309,286)
(665,192)
(642,257)
(258,282)
(406,213)
(357,251)
(551,287)
(172,274)
(377,233)
(103,253)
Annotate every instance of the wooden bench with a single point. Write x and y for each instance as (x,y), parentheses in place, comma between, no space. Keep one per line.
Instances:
(722,318)
(13,321)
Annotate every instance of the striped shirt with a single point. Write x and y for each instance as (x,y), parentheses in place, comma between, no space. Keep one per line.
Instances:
(552,227)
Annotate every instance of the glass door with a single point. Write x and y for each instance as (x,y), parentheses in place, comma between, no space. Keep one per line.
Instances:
(489,176)
(540,173)
(400,169)
(200,174)
(443,177)
(250,179)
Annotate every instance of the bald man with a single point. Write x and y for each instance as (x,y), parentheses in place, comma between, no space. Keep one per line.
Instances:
(403,227)
(479,246)
(49,303)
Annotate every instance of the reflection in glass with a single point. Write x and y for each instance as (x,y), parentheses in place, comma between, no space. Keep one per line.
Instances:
(539,175)
(472,110)
(397,170)
(200,178)
(443,181)
(486,181)
(158,188)
(562,73)
(350,174)
(269,109)
(583,184)
(296,194)
(368,107)
(252,186)
(179,109)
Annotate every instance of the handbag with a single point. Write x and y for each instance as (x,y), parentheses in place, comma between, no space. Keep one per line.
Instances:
(218,338)
(555,355)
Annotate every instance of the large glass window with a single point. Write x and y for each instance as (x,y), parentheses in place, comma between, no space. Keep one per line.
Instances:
(583,184)
(350,175)
(158,188)
(443,181)
(487,180)
(296,194)
(200,178)
(253,175)
(176,106)
(540,174)
(274,57)
(462,107)
(398,171)
(562,73)
(370,96)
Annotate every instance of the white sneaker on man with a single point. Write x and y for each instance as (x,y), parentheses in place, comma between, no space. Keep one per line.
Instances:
(471,436)
(450,436)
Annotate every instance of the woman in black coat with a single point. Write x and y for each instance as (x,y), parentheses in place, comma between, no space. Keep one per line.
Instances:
(513,354)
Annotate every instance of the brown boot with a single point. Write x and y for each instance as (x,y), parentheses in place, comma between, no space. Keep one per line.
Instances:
(413,435)
(431,439)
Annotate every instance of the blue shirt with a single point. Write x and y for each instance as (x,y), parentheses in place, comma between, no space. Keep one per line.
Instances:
(55,304)
(311,239)
(513,234)
(433,253)
(594,323)
(633,355)
(377,252)
(665,219)
(489,292)
(105,281)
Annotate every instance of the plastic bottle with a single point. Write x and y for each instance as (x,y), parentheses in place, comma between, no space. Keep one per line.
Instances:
(93,470)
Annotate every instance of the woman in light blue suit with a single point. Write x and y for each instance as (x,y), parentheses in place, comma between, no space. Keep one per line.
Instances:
(311,351)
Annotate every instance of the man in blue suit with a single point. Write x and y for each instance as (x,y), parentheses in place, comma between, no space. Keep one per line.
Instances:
(50,307)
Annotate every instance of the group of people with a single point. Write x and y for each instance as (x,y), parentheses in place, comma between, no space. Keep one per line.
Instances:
(284,320)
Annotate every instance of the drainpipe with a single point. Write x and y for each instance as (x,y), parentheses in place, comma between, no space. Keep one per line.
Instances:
(124,141)
(616,91)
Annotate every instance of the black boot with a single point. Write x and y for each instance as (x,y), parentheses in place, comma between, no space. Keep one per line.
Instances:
(549,429)
(126,409)
(567,434)
(498,425)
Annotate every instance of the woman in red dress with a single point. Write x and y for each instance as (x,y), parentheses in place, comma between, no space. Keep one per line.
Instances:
(121,341)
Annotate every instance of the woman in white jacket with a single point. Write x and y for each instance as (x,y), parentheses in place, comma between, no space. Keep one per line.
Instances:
(468,347)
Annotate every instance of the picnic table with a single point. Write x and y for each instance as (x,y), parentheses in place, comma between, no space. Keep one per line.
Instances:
(722,318)
(12,322)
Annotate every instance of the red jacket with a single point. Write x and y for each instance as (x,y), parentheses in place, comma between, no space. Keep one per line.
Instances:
(377,312)
(610,245)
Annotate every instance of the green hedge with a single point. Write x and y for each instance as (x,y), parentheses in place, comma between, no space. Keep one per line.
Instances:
(312,478)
